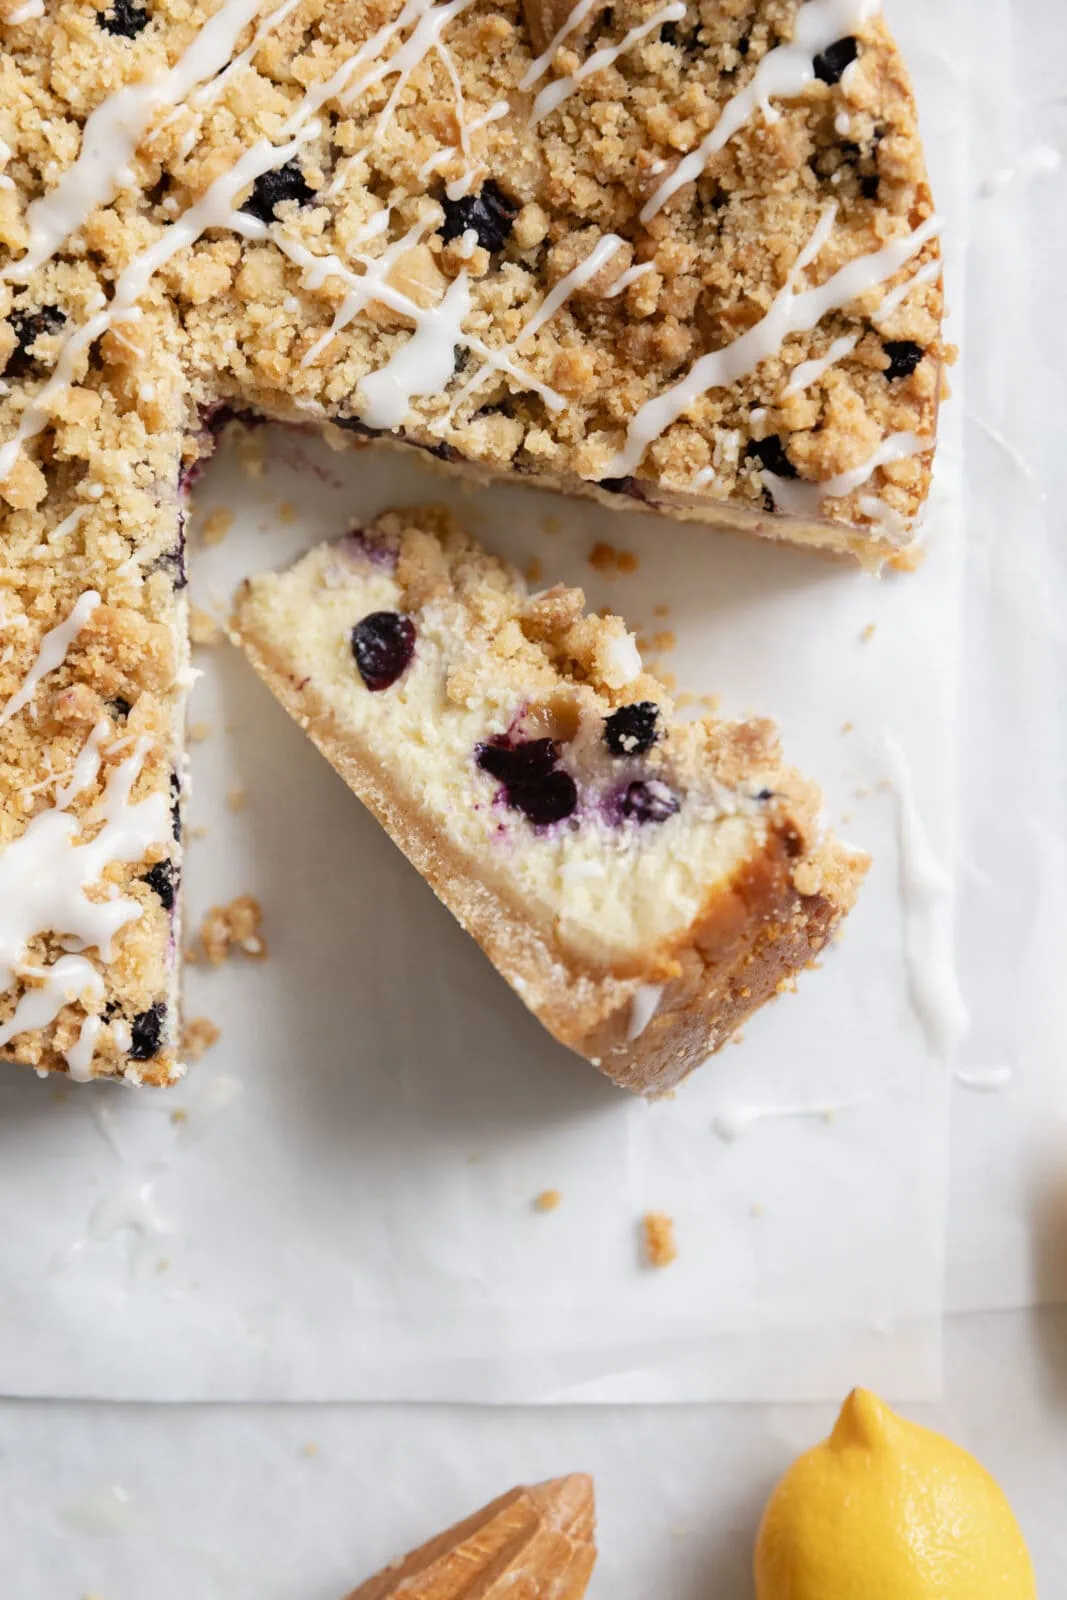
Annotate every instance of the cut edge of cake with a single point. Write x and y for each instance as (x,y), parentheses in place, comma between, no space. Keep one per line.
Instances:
(645,1016)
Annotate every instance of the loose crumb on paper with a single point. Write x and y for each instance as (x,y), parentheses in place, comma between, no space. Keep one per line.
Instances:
(236,927)
(216,525)
(868,633)
(198,1035)
(236,799)
(198,732)
(660,1245)
(551,523)
(287,512)
(534,570)
(607,558)
(203,629)
(309,1450)
(548,1200)
(661,611)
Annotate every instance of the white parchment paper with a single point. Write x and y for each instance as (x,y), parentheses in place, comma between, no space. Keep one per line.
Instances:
(345,1210)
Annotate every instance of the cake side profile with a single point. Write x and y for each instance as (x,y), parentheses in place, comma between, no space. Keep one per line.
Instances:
(667,254)
(536,1542)
(643,883)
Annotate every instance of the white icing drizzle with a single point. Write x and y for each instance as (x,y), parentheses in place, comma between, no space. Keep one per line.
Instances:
(809,372)
(537,69)
(802,499)
(1040,161)
(112,133)
(6,182)
(423,364)
(80,1056)
(52,654)
(926,897)
(440,158)
(784,72)
(793,310)
(733,1124)
(553,94)
(896,297)
(631,275)
(985,1080)
(501,360)
(27,12)
(44,876)
(643,1007)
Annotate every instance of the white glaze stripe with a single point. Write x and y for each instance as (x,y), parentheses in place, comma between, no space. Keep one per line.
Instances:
(791,311)
(784,72)
(800,499)
(554,94)
(809,372)
(52,654)
(537,69)
(896,297)
(112,133)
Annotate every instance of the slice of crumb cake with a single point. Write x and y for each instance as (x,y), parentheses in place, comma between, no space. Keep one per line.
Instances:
(643,883)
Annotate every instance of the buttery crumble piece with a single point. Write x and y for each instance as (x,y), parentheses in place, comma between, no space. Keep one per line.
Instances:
(237,927)
(548,1200)
(660,1246)
(198,1036)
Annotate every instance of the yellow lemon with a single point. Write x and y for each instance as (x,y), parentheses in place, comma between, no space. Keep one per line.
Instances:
(886,1510)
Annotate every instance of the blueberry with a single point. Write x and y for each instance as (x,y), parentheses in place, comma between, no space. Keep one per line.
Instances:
(518,763)
(533,784)
(123,18)
(869,185)
(161,878)
(649,801)
(834,59)
(28,327)
(489,212)
(176,806)
(770,453)
(145,1032)
(383,645)
(272,188)
(632,729)
(904,356)
(120,706)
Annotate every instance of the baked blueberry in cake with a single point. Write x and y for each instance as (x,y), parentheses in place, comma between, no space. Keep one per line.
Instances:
(643,883)
(672,253)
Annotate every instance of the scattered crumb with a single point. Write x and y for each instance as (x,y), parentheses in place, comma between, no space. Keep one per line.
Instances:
(203,629)
(236,799)
(198,832)
(179,1115)
(534,571)
(551,523)
(287,512)
(668,680)
(236,926)
(681,701)
(661,611)
(847,727)
(251,452)
(757,1210)
(216,525)
(660,1245)
(310,1449)
(710,702)
(665,640)
(547,1200)
(604,557)
(163,1264)
(868,633)
(198,732)
(198,1035)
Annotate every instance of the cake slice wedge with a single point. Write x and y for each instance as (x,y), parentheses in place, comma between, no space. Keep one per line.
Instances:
(642,883)
(536,1543)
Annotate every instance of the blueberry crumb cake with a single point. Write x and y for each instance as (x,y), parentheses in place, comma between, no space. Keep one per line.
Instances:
(679,253)
(643,883)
